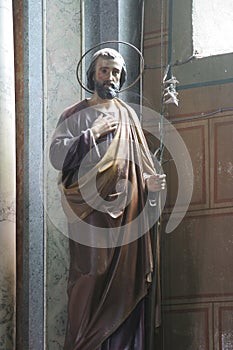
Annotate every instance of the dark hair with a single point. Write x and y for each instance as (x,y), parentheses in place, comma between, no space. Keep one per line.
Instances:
(106,53)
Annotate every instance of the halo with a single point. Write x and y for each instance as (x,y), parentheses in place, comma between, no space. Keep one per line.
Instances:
(110,42)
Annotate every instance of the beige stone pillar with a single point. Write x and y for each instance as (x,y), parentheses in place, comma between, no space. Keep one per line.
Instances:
(7,178)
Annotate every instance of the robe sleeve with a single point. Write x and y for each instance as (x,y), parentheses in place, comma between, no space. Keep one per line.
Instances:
(71,142)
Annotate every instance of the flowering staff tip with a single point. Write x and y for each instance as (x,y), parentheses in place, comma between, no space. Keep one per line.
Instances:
(169,89)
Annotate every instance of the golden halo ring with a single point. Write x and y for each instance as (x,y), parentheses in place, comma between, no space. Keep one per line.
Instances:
(111,42)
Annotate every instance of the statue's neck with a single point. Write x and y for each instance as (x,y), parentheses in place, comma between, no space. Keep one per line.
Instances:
(104,106)
(96,100)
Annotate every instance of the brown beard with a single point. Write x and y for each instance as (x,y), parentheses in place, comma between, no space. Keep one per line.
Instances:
(105,92)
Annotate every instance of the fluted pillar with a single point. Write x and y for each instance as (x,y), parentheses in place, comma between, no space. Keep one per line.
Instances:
(7,178)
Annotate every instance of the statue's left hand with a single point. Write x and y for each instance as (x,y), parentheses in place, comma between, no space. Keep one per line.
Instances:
(156,182)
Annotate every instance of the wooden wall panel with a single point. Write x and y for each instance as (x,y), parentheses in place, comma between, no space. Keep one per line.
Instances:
(195,136)
(188,327)
(198,259)
(221,130)
(201,100)
(223,316)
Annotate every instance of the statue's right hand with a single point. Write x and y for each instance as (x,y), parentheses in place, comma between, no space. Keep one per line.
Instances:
(103,125)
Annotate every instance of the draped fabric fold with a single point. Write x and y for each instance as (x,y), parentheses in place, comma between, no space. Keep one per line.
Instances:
(128,148)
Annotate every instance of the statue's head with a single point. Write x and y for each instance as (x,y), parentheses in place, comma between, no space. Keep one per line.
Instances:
(105,54)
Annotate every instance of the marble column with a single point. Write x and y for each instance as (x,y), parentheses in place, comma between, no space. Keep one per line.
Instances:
(7,179)
(115,20)
(63,49)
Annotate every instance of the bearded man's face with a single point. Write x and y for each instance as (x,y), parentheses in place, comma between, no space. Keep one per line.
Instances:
(107,77)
